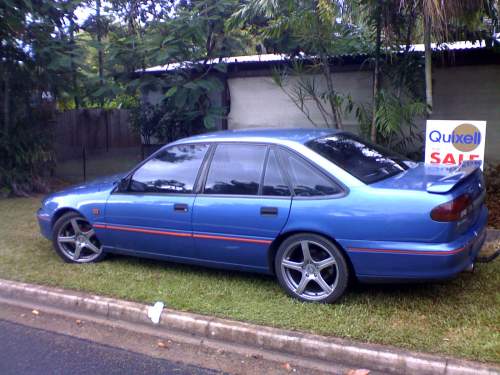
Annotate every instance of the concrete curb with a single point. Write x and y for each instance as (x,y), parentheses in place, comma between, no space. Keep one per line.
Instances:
(375,357)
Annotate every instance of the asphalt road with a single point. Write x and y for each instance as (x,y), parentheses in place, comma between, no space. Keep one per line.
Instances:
(27,350)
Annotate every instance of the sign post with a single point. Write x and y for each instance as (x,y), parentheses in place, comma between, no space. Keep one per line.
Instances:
(449,143)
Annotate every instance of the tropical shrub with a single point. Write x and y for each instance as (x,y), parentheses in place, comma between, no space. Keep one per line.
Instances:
(26,156)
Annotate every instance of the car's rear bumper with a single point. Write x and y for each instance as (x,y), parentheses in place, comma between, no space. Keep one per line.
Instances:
(44,222)
(404,261)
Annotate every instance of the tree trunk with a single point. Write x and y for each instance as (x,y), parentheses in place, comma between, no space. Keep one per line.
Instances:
(6,102)
(325,62)
(99,41)
(73,67)
(428,63)
(376,76)
(406,54)
(338,118)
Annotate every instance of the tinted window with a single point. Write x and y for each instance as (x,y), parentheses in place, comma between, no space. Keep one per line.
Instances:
(367,162)
(274,181)
(308,182)
(173,170)
(236,169)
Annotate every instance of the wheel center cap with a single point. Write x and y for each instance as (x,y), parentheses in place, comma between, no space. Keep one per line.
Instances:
(81,239)
(310,269)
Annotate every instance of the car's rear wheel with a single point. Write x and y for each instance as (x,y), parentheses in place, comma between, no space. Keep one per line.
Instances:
(75,241)
(311,268)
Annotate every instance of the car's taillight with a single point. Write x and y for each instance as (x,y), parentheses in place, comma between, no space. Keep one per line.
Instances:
(453,210)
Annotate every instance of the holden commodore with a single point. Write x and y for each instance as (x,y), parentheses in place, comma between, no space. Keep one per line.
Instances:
(315,207)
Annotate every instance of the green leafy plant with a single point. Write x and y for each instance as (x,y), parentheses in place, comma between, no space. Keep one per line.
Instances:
(185,109)
(26,156)
(395,123)
(301,83)
(34,69)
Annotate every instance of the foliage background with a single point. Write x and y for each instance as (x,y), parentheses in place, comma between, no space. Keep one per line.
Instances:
(64,54)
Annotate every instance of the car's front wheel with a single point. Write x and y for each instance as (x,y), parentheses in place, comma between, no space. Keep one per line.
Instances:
(311,268)
(75,240)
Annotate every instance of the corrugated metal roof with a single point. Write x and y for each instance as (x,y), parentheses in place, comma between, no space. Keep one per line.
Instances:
(269,57)
(455,46)
(272,57)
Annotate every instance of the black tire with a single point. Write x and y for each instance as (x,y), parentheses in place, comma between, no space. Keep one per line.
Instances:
(322,278)
(66,240)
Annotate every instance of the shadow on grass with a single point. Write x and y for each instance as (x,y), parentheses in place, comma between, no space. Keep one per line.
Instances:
(161,265)
(356,289)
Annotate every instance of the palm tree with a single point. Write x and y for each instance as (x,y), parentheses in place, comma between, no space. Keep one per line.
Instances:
(436,16)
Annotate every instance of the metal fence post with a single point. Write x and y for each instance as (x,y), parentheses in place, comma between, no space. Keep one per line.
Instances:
(84,164)
(106,123)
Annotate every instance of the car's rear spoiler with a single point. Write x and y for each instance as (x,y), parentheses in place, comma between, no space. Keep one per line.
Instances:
(448,182)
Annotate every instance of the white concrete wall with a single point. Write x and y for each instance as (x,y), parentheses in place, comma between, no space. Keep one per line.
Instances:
(462,93)
(259,102)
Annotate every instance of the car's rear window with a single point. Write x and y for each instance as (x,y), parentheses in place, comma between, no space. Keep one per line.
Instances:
(365,161)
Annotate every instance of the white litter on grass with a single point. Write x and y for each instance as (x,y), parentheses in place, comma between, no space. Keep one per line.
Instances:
(154,312)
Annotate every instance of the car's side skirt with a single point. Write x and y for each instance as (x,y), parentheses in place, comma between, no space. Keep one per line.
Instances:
(191,261)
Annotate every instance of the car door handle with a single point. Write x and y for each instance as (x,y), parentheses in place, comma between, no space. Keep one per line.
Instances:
(269,210)
(182,207)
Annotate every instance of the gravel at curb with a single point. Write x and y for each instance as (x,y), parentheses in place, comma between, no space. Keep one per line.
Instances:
(375,357)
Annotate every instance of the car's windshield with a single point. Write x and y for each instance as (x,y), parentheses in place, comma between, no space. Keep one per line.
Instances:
(367,162)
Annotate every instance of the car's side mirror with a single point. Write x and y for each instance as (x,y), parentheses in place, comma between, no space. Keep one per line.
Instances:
(123,184)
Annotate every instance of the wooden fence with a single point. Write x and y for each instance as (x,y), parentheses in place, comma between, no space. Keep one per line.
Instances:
(92,130)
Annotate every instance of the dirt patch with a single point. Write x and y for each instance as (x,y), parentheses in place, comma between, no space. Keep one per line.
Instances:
(489,248)
(492,177)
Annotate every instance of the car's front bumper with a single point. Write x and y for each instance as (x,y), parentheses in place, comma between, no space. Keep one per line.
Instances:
(45,223)
(393,261)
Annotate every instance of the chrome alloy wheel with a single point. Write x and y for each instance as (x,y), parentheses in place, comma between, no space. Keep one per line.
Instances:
(310,270)
(77,241)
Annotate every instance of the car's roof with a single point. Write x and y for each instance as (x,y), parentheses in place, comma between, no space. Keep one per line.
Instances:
(300,135)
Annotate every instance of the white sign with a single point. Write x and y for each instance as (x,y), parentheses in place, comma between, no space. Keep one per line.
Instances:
(450,142)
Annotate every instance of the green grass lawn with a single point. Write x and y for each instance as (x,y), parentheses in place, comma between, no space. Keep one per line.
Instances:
(459,317)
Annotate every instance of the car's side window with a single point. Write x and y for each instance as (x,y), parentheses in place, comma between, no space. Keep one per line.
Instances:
(307,181)
(173,170)
(236,169)
(274,181)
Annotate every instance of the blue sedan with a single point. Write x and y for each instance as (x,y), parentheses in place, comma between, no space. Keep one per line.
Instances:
(315,207)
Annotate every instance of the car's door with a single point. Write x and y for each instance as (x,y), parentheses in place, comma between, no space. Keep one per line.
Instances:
(318,203)
(153,215)
(242,206)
